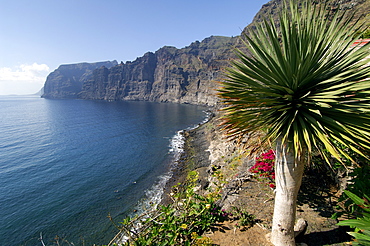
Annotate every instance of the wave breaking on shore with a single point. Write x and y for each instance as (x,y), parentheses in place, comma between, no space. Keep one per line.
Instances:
(155,194)
(176,148)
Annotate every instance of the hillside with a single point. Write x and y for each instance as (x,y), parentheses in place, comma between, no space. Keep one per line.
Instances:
(360,9)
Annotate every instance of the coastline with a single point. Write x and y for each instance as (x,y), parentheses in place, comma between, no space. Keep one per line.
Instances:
(194,156)
(180,163)
(205,150)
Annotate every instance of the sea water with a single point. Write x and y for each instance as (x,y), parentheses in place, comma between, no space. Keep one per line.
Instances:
(66,165)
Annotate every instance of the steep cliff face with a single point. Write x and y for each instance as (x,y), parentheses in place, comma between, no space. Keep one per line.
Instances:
(67,80)
(129,81)
(186,75)
(169,75)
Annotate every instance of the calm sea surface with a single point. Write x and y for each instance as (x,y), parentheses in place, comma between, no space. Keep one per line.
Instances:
(66,164)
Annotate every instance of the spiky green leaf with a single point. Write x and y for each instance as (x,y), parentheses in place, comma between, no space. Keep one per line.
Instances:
(303,82)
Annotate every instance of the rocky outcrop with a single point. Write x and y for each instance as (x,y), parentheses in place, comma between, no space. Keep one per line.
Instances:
(360,9)
(67,80)
(129,81)
(187,75)
(184,75)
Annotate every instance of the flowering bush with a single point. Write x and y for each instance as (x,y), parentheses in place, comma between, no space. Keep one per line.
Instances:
(178,223)
(264,167)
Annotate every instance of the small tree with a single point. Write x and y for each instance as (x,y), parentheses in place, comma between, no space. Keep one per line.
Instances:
(308,88)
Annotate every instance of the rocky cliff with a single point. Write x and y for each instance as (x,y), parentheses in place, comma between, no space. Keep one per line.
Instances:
(67,80)
(184,75)
(360,9)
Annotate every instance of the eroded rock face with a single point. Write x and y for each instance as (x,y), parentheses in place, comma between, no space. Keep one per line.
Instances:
(129,81)
(67,80)
(360,8)
(185,75)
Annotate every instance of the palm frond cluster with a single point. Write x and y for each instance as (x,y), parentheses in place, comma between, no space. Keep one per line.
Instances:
(302,82)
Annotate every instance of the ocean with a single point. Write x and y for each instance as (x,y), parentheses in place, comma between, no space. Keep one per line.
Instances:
(66,165)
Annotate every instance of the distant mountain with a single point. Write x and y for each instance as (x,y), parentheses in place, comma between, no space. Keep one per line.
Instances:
(185,75)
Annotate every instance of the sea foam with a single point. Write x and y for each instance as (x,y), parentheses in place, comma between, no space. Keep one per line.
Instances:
(154,195)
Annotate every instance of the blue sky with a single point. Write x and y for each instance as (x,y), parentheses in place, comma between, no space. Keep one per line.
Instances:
(37,36)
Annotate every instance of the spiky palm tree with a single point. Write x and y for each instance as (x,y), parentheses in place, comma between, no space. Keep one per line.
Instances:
(303,83)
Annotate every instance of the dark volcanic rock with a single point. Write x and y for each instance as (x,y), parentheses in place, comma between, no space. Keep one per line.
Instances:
(129,81)
(186,75)
(66,81)
(360,9)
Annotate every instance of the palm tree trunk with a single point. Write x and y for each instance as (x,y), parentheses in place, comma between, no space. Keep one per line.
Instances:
(288,178)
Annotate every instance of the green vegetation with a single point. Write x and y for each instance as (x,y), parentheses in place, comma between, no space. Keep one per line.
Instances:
(303,84)
(183,221)
(354,205)
(362,221)
(301,90)
(363,34)
(179,223)
(246,219)
(305,89)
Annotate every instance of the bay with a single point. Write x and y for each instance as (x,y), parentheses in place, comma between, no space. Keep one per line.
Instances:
(65,165)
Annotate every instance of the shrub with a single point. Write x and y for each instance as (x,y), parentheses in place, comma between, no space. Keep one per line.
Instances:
(244,218)
(355,204)
(265,168)
(185,220)
(362,222)
(359,185)
(178,223)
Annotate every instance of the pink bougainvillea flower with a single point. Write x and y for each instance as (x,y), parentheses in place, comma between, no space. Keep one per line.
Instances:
(264,167)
